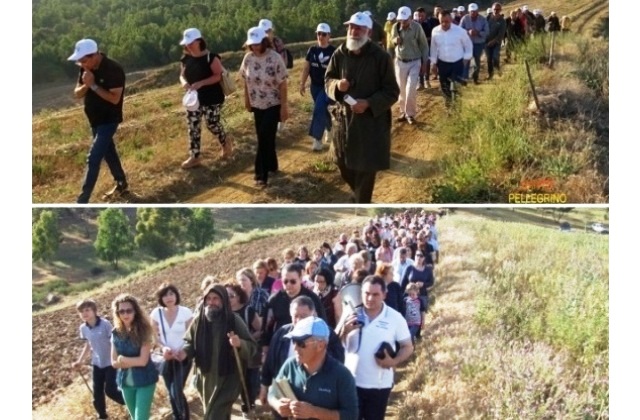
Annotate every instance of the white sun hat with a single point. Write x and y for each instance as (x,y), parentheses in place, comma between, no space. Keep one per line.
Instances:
(255,35)
(190,35)
(190,100)
(360,19)
(391,16)
(84,47)
(404,13)
(323,27)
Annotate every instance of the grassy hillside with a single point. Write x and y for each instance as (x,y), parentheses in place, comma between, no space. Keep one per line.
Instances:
(493,145)
(518,327)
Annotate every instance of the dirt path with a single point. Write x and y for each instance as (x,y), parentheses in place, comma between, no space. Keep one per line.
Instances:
(414,152)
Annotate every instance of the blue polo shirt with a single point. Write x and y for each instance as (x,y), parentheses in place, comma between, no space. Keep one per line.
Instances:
(332,387)
(99,338)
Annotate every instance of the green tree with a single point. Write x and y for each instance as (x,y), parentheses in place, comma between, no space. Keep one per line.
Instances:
(115,239)
(159,230)
(45,236)
(200,229)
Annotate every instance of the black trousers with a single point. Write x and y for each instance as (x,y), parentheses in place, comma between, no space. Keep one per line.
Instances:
(361,183)
(104,382)
(372,403)
(266,123)
(447,71)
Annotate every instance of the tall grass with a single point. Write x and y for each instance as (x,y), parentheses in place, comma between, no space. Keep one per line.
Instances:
(520,329)
(501,142)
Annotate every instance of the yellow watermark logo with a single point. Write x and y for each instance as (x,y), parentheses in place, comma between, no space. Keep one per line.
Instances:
(538,198)
(537,191)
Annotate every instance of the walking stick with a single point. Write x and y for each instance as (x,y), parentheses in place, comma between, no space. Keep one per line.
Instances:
(244,384)
(86,383)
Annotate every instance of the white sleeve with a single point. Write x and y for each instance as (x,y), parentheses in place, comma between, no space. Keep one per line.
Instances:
(154,315)
(402,329)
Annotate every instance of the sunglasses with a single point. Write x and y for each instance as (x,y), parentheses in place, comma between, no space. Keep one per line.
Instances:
(301,343)
(285,281)
(85,58)
(127,311)
(322,33)
(419,255)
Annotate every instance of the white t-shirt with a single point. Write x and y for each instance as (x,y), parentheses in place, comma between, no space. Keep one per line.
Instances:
(389,326)
(175,332)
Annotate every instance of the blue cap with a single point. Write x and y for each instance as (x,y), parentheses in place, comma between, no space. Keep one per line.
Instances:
(309,327)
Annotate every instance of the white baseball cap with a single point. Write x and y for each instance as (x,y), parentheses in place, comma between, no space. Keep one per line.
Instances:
(190,35)
(368,13)
(460,8)
(255,35)
(360,19)
(309,327)
(473,7)
(391,16)
(83,47)
(265,24)
(190,100)
(404,13)
(323,27)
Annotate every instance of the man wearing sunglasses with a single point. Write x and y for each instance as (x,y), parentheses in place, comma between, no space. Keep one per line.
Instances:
(277,310)
(315,65)
(101,83)
(322,386)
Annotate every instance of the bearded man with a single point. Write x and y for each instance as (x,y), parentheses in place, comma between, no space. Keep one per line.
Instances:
(213,338)
(360,78)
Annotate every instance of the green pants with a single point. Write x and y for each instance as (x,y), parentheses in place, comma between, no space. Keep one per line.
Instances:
(138,400)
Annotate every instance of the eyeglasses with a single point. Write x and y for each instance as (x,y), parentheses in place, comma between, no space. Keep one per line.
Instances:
(287,281)
(322,33)
(127,311)
(419,255)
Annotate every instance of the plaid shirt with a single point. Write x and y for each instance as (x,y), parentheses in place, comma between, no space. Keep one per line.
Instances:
(258,300)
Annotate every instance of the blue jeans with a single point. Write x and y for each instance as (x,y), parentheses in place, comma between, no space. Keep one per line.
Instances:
(175,375)
(477,55)
(321,120)
(102,147)
(104,382)
(493,57)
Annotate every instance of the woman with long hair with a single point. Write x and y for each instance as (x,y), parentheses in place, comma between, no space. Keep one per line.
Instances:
(394,291)
(257,296)
(131,343)
(265,95)
(170,321)
(201,71)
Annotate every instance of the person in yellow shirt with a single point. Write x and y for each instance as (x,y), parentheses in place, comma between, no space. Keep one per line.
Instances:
(388,26)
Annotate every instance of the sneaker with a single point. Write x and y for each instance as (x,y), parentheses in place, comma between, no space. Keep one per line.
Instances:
(317,145)
(327,137)
(120,188)
(411,120)
(192,162)
(401,118)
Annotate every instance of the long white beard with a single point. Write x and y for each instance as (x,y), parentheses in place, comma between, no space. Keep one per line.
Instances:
(355,44)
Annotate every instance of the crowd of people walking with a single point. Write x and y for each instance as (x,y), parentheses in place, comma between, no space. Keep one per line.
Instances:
(334,334)
(355,87)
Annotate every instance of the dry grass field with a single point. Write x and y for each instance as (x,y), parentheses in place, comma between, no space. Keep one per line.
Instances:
(568,144)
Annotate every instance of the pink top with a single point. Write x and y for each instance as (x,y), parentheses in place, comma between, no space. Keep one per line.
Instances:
(263,76)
